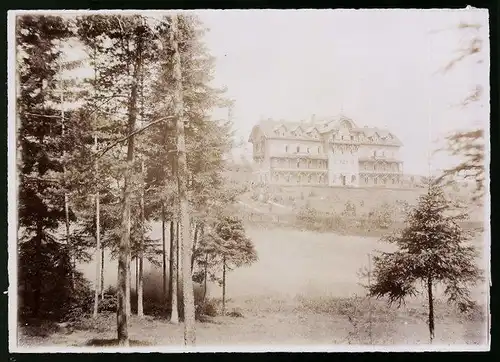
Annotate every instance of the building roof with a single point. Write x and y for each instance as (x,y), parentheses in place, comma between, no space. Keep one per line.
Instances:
(306,130)
(269,126)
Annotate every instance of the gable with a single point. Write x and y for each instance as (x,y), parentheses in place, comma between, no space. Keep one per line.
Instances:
(280,130)
(297,131)
(256,134)
(313,132)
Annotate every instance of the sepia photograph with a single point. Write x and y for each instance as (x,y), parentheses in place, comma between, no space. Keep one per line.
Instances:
(249,180)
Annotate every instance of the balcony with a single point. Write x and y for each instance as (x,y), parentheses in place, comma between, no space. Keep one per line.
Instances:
(379,158)
(296,169)
(371,172)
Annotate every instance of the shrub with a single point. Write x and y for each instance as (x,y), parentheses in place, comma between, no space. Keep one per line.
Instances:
(207,308)
(235,313)
(108,304)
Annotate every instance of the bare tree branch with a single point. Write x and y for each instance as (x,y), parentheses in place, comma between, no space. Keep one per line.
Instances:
(138,131)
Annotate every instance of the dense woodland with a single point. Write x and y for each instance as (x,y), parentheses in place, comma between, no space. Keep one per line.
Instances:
(104,155)
(133,141)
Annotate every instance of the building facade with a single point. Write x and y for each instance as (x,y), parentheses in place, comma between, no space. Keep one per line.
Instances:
(327,153)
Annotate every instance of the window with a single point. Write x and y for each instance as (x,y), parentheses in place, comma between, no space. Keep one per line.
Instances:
(309,163)
(308,150)
(375,180)
(286,148)
(366,180)
(352,138)
(298,149)
(374,153)
(353,179)
(298,163)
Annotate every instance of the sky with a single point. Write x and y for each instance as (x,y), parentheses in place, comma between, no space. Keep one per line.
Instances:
(382,68)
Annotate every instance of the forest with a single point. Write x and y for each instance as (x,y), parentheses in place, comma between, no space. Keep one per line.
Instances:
(103,154)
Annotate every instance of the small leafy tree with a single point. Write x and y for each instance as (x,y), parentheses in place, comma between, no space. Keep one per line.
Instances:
(381,217)
(349,209)
(431,249)
(226,247)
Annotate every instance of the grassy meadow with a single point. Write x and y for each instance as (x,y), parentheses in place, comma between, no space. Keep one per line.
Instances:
(304,289)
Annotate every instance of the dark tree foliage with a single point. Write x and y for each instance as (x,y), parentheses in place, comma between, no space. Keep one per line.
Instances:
(468,144)
(45,269)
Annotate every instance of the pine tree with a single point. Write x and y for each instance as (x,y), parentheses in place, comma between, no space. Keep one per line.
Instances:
(43,256)
(432,249)
(181,176)
(127,42)
(468,144)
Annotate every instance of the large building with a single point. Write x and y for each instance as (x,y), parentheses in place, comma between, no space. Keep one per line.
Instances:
(334,152)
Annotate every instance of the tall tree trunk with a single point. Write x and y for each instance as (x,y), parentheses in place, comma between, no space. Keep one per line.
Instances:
(179,269)
(205,276)
(129,275)
(431,308)
(37,290)
(136,272)
(224,285)
(66,201)
(102,272)
(182,175)
(139,286)
(174,312)
(195,241)
(98,243)
(140,277)
(124,249)
(164,254)
(123,261)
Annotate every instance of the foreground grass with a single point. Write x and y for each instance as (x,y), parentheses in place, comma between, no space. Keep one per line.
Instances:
(299,292)
(295,321)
